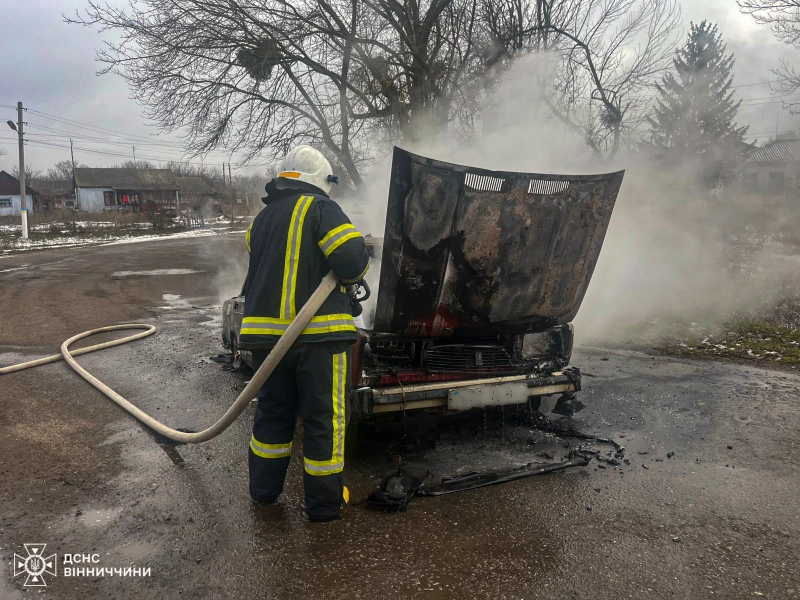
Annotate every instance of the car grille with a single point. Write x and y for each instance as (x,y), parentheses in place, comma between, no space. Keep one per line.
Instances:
(461,357)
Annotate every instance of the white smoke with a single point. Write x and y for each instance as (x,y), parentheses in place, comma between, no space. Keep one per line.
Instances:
(663,257)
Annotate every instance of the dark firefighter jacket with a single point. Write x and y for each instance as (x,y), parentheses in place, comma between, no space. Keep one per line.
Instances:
(293,243)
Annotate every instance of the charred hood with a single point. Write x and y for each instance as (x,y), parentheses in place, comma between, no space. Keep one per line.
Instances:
(471,252)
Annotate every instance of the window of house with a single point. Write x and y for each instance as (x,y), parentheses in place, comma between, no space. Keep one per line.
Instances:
(750,182)
(777,182)
(5,202)
(109,199)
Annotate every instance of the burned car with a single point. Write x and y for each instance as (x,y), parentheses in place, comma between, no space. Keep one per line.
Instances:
(481,274)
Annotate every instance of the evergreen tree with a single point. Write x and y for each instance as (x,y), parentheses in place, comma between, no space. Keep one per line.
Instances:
(694,121)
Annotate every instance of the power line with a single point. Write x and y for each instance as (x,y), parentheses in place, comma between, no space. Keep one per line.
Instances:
(164,155)
(169,152)
(95,128)
(760,133)
(155,149)
(63,133)
(93,140)
(49,143)
(41,144)
(771,97)
(766,103)
(752,84)
(151,159)
(156,146)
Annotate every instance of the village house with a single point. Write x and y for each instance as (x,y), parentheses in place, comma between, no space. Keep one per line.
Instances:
(196,194)
(54,193)
(139,190)
(773,170)
(10,199)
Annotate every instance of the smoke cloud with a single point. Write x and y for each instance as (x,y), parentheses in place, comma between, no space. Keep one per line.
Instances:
(666,252)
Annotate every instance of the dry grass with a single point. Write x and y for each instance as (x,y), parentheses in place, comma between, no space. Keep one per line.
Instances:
(770,337)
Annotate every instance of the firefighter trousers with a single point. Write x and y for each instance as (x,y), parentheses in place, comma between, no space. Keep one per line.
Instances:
(312,380)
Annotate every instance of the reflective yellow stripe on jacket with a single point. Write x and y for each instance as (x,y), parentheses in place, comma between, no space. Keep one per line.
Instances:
(294,240)
(247,236)
(321,324)
(336,237)
(336,462)
(357,279)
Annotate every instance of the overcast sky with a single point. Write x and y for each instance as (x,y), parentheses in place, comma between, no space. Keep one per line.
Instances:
(50,67)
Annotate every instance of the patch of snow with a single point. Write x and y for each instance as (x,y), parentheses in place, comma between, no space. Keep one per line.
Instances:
(215,320)
(154,272)
(20,268)
(108,240)
(54,242)
(168,236)
(174,301)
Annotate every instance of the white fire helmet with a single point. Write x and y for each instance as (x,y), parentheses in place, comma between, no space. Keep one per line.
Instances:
(304,163)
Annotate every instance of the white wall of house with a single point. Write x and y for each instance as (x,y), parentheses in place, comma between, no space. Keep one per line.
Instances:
(10,205)
(778,179)
(91,199)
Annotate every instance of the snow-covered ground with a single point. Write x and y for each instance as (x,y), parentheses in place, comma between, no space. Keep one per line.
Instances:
(15,244)
(81,226)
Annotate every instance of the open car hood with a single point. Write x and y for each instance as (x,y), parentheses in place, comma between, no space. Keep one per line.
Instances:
(471,252)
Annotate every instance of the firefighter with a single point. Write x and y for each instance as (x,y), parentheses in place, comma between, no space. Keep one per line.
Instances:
(293,243)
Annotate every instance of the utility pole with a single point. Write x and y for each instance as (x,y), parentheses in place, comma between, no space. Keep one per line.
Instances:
(233,200)
(23,191)
(74,186)
(135,166)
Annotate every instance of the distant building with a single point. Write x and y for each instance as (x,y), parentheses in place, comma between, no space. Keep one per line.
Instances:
(10,199)
(769,187)
(195,194)
(55,193)
(140,190)
(773,170)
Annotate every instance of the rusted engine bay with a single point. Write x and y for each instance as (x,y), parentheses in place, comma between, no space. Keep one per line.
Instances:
(387,359)
(472,253)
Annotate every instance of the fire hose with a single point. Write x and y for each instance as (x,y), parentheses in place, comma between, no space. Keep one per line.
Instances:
(293,331)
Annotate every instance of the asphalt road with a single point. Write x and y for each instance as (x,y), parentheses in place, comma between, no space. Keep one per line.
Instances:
(718,518)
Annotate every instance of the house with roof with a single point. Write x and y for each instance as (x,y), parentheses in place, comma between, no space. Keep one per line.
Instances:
(772,172)
(195,193)
(10,198)
(54,193)
(139,190)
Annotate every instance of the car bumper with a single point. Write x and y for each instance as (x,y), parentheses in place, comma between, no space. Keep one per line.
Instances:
(463,395)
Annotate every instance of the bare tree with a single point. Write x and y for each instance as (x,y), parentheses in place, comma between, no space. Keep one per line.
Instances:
(30,173)
(263,75)
(351,76)
(212,176)
(62,170)
(134,164)
(608,53)
(783,16)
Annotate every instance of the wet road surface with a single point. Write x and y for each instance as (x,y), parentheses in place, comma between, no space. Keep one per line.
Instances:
(718,518)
